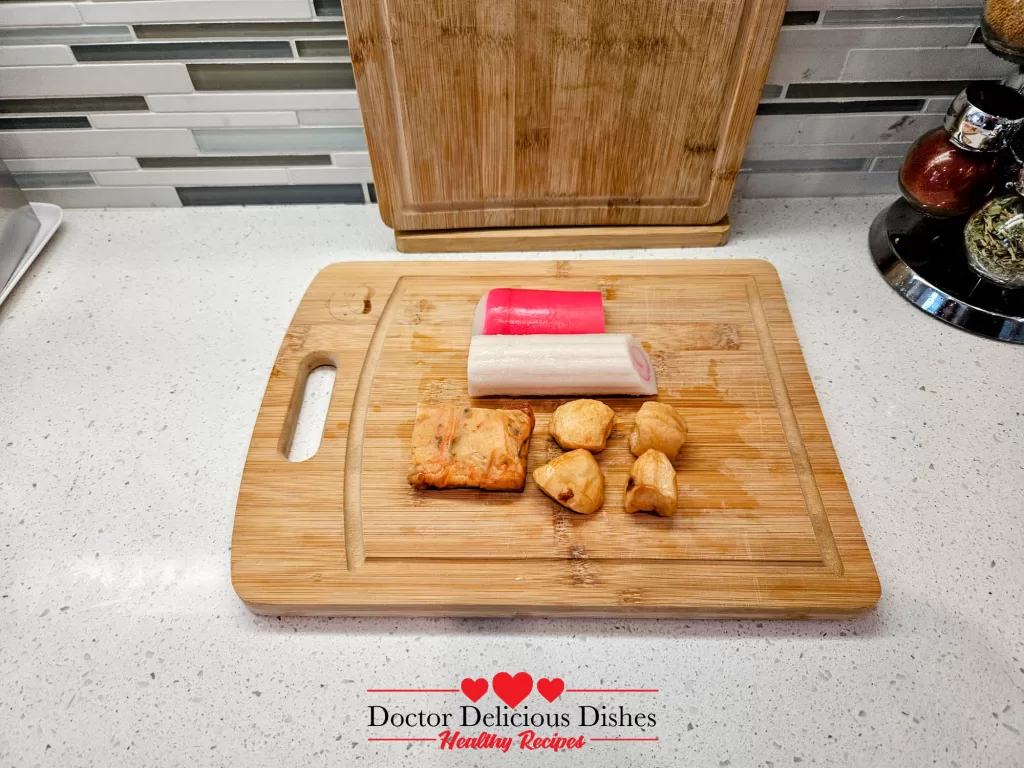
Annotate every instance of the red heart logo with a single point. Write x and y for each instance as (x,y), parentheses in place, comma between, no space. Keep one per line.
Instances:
(512,690)
(474,689)
(550,689)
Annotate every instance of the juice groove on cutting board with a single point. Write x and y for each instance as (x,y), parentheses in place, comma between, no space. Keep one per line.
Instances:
(766,526)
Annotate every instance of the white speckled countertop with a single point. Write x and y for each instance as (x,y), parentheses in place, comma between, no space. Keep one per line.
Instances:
(132,362)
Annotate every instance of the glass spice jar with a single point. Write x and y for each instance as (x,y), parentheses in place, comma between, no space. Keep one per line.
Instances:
(994,238)
(951,170)
(1002,28)
(941,179)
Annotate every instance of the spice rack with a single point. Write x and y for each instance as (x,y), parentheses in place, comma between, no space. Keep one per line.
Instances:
(918,242)
(923,259)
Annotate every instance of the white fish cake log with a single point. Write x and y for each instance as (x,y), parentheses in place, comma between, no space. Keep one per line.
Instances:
(571,364)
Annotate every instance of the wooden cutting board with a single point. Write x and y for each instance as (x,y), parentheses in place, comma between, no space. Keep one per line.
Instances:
(555,113)
(766,526)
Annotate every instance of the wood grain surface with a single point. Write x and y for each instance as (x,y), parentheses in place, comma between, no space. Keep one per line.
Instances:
(547,113)
(765,527)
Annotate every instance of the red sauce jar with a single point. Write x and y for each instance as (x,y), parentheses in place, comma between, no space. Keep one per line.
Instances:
(950,171)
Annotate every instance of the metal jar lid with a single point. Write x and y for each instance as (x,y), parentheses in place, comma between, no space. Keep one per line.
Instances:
(984,116)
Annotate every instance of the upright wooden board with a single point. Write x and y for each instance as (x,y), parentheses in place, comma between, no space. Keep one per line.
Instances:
(766,526)
(551,113)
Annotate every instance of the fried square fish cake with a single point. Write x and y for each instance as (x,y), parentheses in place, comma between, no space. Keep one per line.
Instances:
(456,447)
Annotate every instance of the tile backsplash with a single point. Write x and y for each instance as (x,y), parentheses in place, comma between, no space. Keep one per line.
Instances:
(208,102)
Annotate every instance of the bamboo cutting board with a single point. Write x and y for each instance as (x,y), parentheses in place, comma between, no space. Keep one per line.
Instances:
(766,526)
(556,113)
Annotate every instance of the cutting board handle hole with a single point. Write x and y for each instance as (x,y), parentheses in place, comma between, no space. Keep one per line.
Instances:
(311,416)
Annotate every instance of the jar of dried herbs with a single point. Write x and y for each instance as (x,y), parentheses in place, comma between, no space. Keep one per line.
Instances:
(1002,28)
(994,239)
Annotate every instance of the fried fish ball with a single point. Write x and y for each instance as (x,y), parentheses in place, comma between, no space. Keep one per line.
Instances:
(574,480)
(582,424)
(657,426)
(652,485)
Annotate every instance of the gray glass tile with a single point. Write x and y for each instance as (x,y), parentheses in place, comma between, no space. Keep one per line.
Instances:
(806,165)
(65,35)
(271,77)
(860,18)
(236,161)
(938,105)
(825,151)
(43,180)
(264,140)
(297,194)
(972,62)
(776,130)
(887,164)
(838,41)
(791,65)
(93,104)
(212,31)
(862,129)
(183,51)
(875,90)
(799,18)
(310,48)
(841,107)
(42,123)
(327,7)
(771,92)
(815,184)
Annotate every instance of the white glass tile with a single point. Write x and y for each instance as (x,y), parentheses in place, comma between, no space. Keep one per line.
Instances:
(94,80)
(132,11)
(254,101)
(192,119)
(107,197)
(95,143)
(29,55)
(38,14)
(329,175)
(45,164)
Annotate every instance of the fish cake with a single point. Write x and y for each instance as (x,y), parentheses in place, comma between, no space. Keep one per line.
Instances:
(462,447)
